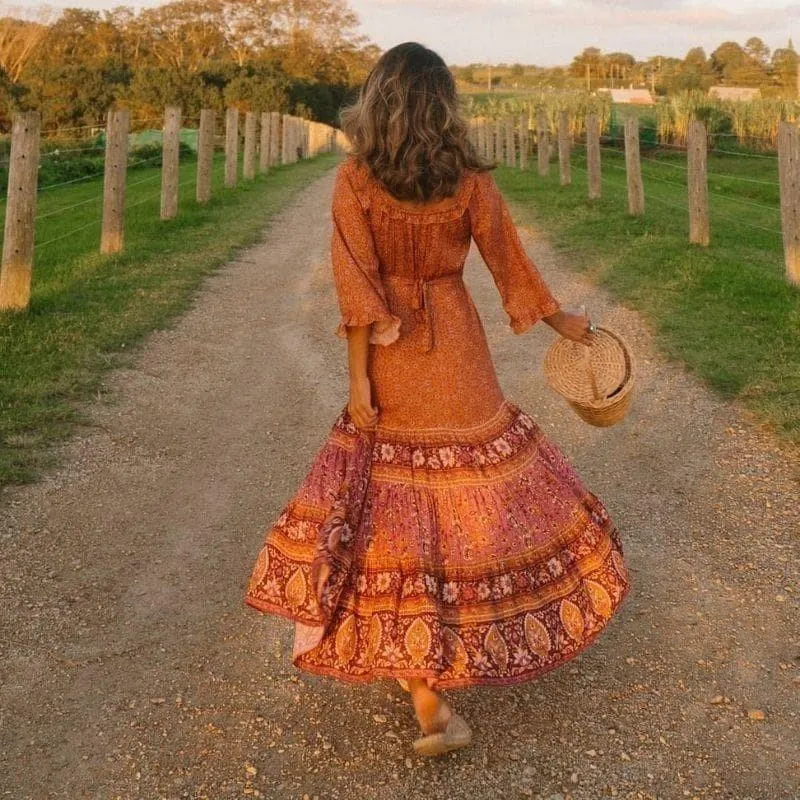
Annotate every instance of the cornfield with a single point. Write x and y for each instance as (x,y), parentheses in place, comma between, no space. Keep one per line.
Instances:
(753,124)
(577,104)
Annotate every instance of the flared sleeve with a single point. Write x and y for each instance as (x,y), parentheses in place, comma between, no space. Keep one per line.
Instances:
(525,296)
(359,289)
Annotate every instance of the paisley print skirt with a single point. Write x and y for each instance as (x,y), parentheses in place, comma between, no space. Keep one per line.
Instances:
(465,557)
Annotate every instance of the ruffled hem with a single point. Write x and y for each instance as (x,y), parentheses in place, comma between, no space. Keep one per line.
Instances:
(522,324)
(385,609)
(442,678)
(385,330)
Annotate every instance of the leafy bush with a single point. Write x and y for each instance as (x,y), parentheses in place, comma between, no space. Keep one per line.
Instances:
(69,161)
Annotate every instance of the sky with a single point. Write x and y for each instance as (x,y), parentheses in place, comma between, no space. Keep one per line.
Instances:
(551,32)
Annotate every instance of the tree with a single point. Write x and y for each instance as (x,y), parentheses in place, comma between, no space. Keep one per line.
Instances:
(726,58)
(619,68)
(591,57)
(19,41)
(735,67)
(249,26)
(282,54)
(184,35)
(72,94)
(696,59)
(784,68)
(694,72)
(5,101)
(757,50)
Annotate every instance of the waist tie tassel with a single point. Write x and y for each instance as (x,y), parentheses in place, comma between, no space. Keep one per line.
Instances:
(423,312)
(420,301)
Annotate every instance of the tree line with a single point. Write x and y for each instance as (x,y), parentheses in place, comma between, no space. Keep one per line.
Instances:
(302,57)
(731,64)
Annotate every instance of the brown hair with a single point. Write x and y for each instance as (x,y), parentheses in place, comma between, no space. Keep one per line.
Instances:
(407,128)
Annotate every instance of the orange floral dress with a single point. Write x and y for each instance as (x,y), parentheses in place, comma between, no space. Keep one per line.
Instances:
(455,542)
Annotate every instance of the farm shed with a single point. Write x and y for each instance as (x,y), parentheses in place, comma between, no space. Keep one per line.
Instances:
(742,93)
(639,97)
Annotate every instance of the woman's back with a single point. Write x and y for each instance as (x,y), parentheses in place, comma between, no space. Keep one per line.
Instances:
(400,269)
(416,240)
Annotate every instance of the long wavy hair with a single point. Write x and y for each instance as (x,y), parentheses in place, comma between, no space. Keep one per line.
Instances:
(406,126)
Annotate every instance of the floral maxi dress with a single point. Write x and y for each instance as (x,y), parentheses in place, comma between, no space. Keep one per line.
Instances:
(455,542)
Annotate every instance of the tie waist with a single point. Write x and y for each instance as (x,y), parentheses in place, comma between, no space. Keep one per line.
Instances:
(423,311)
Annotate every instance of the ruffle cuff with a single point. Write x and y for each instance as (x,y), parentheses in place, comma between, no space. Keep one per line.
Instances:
(523,323)
(385,329)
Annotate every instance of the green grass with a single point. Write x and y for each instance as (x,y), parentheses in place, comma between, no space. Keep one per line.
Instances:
(88,311)
(727,311)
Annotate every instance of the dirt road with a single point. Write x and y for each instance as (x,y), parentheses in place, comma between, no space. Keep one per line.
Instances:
(132,669)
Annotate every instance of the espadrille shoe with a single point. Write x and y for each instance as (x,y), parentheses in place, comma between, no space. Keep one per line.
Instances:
(457,734)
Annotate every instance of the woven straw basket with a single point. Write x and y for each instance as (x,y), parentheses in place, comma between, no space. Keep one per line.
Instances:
(596,380)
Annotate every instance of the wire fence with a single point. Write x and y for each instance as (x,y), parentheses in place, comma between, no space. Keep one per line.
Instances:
(247,151)
(761,194)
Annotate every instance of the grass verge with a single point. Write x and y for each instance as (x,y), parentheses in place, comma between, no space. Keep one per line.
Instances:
(88,311)
(727,311)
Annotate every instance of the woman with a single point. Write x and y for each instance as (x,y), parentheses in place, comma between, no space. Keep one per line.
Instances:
(440,538)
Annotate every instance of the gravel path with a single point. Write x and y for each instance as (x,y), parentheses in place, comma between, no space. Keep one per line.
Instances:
(131,668)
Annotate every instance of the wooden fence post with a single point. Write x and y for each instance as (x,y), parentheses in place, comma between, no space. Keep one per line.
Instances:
(323,138)
(205,154)
(523,141)
(510,149)
(789,175)
(274,138)
(112,239)
(286,144)
(250,133)
(170,162)
(564,149)
(264,146)
(311,129)
(20,224)
(231,147)
(633,167)
(697,160)
(499,155)
(593,155)
(542,142)
(321,133)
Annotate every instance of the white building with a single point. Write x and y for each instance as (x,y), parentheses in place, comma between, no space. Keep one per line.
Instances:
(741,93)
(640,97)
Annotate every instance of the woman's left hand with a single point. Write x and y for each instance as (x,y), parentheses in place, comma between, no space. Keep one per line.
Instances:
(571,326)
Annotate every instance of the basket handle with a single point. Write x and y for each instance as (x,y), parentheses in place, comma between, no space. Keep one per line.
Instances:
(589,368)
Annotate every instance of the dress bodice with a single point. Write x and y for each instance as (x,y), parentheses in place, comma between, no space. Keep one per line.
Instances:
(378,242)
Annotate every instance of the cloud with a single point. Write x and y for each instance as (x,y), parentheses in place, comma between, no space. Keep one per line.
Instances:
(550,32)
(604,12)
